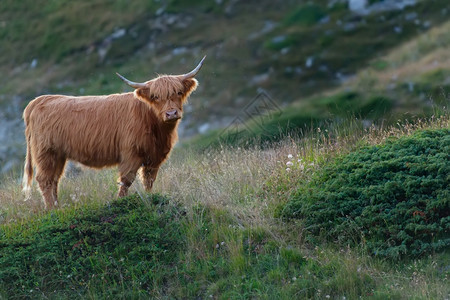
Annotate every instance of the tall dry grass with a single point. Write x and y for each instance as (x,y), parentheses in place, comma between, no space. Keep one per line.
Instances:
(247,182)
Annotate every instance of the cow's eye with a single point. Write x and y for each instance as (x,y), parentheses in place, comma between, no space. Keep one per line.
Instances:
(180,93)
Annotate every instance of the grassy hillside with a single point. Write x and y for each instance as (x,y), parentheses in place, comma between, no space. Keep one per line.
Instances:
(217,232)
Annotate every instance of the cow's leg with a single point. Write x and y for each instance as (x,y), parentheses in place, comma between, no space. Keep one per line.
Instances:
(148,176)
(59,169)
(48,171)
(127,174)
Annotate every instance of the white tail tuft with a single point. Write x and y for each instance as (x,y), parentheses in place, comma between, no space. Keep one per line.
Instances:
(26,182)
(27,192)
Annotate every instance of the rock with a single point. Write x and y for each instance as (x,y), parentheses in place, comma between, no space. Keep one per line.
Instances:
(160,10)
(34,63)
(117,34)
(105,45)
(426,24)
(309,62)
(179,50)
(285,50)
(357,6)
(278,39)
(324,20)
(360,6)
(349,26)
(203,128)
(411,16)
(259,79)
(268,27)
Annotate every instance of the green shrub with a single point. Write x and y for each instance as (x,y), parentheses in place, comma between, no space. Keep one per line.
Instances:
(393,197)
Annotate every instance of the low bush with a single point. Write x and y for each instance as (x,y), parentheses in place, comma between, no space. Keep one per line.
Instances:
(393,197)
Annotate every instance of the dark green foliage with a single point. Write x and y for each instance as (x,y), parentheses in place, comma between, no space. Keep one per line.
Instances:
(394,197)
(433,84)
(266,129)
(376,107)
(259,131)
(352,104)
(128,245)
(306,15)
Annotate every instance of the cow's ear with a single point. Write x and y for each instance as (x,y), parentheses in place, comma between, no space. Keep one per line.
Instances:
(190,85)
(143,94)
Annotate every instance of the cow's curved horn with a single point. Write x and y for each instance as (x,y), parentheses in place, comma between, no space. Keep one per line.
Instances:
(133,84)
(195,71)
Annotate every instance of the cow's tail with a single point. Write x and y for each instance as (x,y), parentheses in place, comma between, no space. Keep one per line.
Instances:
(27,179)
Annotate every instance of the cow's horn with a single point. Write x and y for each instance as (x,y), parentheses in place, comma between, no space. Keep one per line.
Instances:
(133,84)
(195,71)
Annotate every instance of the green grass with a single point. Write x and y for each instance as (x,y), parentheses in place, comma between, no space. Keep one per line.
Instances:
(117,249)
(146,247)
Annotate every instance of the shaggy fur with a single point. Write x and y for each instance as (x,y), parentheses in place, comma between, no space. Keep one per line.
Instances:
(132,130)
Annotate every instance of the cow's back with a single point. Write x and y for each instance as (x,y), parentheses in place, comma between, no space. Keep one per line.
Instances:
(87,129)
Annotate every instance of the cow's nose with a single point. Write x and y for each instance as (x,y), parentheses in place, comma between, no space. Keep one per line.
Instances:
(171,114)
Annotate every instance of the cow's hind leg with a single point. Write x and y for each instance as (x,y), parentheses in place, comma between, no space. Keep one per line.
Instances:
(148,176)
(48,172)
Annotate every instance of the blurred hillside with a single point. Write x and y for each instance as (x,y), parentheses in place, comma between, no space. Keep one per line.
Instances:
(320,57)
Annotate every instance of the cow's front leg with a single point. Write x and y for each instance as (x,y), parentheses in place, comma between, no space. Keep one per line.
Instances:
(148,176)
(127,174)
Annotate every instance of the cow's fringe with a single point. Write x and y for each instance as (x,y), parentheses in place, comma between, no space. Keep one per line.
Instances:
(27,179)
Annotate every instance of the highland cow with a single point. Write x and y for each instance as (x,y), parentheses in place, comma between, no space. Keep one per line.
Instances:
(135,130)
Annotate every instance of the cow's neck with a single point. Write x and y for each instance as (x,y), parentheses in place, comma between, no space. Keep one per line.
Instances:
(169,136)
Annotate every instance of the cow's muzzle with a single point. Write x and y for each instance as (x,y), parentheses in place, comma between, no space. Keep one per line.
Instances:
(172,115)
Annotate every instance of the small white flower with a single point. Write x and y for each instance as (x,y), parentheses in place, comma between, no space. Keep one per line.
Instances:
(327,296)
(290,156)
(294,278)
(289,164)
(288,169)
(299,160)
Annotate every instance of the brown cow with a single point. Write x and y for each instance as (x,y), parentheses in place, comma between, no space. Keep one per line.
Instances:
(135,131)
